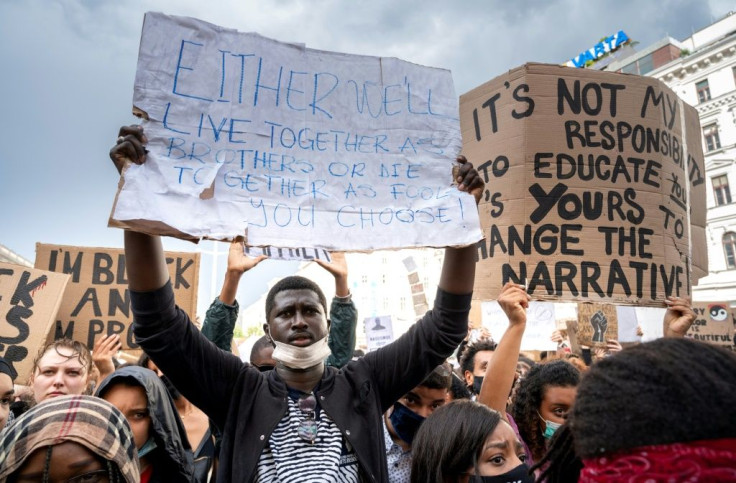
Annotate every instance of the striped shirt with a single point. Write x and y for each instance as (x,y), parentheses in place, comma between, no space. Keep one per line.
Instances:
(288,458)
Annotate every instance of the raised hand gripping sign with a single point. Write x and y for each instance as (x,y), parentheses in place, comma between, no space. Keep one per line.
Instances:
(298,146)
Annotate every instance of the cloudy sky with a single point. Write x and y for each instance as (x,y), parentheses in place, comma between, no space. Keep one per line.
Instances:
(68,68)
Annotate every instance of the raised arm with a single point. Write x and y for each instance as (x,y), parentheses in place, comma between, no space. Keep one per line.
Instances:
(163,330)
(401,365)
(222,315)
(343,314)
(501,369)
(679,317)
(144,255)
(458,267)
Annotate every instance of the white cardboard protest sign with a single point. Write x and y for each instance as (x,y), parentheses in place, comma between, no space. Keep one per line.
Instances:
(292,144)
(540,324)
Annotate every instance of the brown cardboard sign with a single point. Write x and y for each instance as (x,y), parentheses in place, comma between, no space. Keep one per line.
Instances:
(714,323)
(594,185)
(29,300)
(97,300)
(597,323)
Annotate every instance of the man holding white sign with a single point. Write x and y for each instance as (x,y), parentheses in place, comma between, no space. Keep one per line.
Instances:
(331,419)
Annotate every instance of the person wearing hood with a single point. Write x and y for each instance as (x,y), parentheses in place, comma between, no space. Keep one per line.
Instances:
(163,448)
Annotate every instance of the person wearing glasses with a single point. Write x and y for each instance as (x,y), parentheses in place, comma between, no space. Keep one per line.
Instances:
(75,439)
(302,421)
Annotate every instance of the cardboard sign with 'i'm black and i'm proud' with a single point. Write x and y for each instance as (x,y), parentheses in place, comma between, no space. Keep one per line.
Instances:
(594,185)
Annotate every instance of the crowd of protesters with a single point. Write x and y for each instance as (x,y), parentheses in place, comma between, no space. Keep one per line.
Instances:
(433,406)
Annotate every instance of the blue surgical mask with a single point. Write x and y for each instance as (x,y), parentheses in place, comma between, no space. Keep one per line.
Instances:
(550,427)
(405,422)
(147,447)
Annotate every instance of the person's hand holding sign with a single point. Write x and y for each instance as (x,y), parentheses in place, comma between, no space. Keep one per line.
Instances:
(468,179)
(130,147)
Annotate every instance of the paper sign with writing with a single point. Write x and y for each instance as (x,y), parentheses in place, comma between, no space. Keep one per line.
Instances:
(29,300)
(97,300)
(594,185)
(276,253)
(714,323)
(378,331)
(597,323)
(540,324)
(293,144)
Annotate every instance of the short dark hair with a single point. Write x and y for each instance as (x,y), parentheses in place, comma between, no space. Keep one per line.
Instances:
(259,345)
(439,378)
(451,440)
(459,388)
(529,395)
(294,282)
(467,358)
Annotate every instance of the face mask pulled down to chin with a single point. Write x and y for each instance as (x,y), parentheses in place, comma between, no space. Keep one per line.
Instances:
(301,357)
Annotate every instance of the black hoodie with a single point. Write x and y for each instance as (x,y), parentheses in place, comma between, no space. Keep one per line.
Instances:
(172,458)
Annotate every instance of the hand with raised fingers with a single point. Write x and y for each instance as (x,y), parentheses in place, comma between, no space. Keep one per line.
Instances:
(130,147)
(106,346)
(613,346)
(238,261)
(338,267)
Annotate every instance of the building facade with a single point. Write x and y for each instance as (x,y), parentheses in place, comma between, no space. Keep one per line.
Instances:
(702,71)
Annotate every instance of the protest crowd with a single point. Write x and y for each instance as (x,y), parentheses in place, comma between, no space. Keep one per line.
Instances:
(447,401)
(433,405)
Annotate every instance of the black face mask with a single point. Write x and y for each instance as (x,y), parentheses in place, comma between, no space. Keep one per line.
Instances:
(405,422)
(477,382)
(520,474)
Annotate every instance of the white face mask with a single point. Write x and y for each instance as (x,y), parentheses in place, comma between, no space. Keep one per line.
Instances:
(300,357)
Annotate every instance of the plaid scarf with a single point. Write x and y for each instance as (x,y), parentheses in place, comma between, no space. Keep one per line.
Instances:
(86,420)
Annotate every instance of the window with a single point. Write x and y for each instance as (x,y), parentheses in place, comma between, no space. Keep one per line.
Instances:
(703,90)
(721,190)
(729,247)
(646,64)
(402,303)
(364,279)
(712,141)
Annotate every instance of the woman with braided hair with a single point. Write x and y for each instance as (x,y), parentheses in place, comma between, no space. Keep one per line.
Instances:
(69,438)
(659,411)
